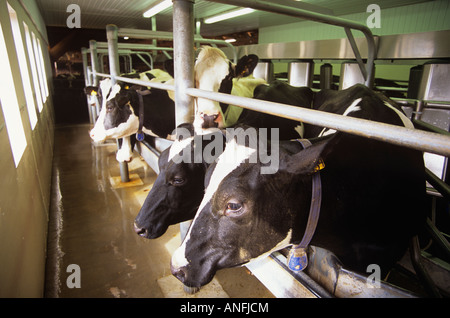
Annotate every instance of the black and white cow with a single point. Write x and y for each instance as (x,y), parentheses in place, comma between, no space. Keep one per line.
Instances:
(373,200)
(179,187)
(119,115)
(215,73)
(172,202)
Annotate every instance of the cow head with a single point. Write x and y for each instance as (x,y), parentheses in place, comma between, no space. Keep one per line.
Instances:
(179,187)
(117,117)
(214,72)
(244,214)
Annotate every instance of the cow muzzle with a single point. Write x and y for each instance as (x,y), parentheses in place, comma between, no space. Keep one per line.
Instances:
(210,121)
(97,135)
(148,233)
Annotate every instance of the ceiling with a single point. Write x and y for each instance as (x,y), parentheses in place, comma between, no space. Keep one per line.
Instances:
(128,14)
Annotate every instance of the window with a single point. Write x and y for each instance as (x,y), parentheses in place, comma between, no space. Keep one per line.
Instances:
(44,73)
(10,105)
(33,67)
(26,79)
(40,67)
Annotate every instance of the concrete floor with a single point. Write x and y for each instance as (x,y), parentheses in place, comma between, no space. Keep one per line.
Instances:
(91,225)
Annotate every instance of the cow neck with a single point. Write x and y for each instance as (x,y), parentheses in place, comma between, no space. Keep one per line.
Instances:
(298,258)
(141,94)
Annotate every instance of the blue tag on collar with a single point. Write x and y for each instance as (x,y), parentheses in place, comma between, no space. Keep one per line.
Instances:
(140,136)
(297,259)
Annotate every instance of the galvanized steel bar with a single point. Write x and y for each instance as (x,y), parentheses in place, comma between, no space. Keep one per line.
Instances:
(183,48)
(313,16)
(146,34)
(94,61)
(113,56)
(114,69)
(412,138)
(166,87)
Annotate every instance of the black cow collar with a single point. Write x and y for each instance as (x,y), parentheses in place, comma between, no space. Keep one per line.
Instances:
(140,134)
(297,258)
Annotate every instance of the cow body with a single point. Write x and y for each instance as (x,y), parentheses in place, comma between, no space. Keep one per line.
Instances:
(373,198)
(120,113)
(279,92)
(214,72)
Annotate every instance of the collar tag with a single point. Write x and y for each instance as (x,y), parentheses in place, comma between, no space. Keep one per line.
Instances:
(320,165)
(140,136)
(297,259)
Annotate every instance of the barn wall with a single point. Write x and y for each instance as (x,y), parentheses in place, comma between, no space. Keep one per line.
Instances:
(25,183)
(420,17)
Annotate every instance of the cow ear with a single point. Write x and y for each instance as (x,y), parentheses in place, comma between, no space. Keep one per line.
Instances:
(122,99)
(91,90)
(310,159)
(246,65)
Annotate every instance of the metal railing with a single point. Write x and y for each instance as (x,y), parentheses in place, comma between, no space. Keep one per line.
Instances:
(348,25)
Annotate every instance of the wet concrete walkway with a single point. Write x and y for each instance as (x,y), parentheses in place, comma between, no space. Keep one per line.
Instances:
(91,226)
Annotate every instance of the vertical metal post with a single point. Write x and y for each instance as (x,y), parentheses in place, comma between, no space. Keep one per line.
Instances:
(94,61)
(183,47)
(326,76)
(87,82)
(114,70)
(183,52)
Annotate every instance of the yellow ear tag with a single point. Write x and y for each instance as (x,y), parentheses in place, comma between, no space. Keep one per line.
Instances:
(93,93)
(320,165)
(127,87)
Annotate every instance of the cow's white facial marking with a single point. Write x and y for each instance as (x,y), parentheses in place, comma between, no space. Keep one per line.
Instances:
(224,167)
(211,67)
(108,91)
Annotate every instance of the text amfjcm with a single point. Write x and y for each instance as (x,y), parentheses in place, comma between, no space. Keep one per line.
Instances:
(245,308)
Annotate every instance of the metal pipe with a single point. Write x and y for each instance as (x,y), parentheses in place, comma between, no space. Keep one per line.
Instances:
(183,47)
(299,13)
(440,186)
(114,69)
(94,61)
(134,46)
(146,34)
(114,66)
(424,277)
(166,87)
(150,65)
(412,138)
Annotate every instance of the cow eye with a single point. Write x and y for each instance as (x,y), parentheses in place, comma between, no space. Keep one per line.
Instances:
(233,208)
(177,181)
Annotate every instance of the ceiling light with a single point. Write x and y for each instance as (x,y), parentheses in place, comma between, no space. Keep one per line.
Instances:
(230,40)
(162,5)
(228,15)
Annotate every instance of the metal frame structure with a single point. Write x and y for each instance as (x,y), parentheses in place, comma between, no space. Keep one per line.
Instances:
(184,39)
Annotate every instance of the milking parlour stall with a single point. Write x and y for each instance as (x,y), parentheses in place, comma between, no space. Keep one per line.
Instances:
(225,156)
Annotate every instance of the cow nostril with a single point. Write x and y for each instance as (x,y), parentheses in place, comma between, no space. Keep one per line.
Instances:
(140,231)
(179,273)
